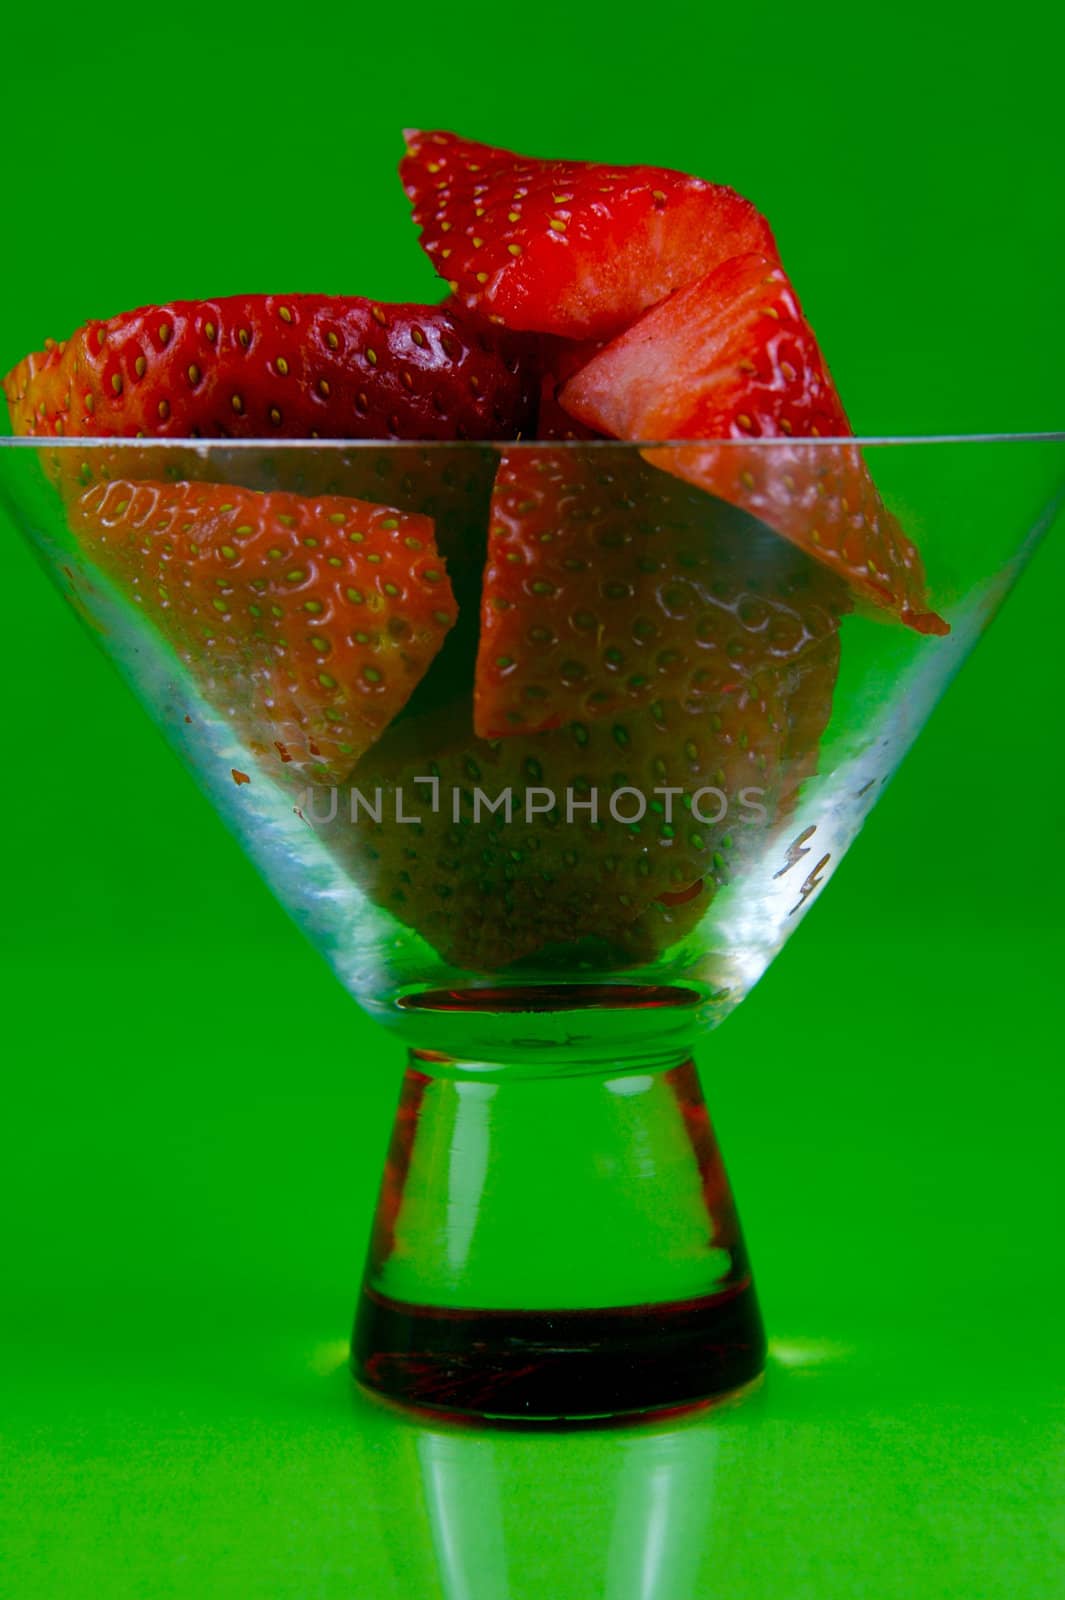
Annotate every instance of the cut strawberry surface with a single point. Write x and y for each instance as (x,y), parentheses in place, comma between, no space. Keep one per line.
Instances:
(307,622)
(575,248)
(609,585)
(279,366)
(618,831)
(731,357)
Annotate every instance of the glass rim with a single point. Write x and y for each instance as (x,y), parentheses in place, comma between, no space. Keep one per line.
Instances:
(152,442)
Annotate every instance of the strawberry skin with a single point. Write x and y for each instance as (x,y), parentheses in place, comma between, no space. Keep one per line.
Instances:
(307,622)
(610,585)
(484,892)
(732,357)
(279,366)
(575,248)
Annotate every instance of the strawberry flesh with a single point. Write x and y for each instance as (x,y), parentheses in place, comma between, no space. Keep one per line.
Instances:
(575,248)
(307,622)
(732,357)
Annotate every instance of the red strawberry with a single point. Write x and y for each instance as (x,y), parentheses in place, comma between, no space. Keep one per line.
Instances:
(307,622)
(279,366)
(485,892)
(296,366)
(732,357)
(451,484)
(610,585)
(568,247)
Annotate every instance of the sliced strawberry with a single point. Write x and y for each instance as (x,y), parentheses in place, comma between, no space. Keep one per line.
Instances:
(609,585)
(485,891)
(567,247)
(732,358)
(279,366)
(307,622)
(297,366)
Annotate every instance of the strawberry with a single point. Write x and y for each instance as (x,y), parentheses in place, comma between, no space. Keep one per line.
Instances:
(731,357)
(279,366)
(307,622)
(297,366)
(450,484)
(485,892)
(610,584)
(567,247)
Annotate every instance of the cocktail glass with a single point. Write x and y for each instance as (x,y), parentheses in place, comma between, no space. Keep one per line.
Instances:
(556,1236)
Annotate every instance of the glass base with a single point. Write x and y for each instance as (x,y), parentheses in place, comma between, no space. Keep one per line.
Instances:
(557,1245)
(560,1366)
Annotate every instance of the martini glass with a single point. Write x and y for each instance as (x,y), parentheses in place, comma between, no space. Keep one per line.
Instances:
(550,920)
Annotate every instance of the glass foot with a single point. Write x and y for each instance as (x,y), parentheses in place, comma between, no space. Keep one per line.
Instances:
(557,1247)
(560,1365)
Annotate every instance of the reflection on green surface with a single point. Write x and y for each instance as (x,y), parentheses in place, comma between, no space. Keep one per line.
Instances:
(841,1477)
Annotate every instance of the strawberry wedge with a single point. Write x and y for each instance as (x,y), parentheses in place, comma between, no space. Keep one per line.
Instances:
(731,357)
(575,248)
(307,622)
(610,585)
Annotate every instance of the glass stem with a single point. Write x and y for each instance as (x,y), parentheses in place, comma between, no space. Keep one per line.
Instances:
(553,1246)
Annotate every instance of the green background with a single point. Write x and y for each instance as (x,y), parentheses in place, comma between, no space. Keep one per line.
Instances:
(194,1115)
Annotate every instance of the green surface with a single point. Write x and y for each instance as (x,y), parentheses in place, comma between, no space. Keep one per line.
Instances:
(194,1114)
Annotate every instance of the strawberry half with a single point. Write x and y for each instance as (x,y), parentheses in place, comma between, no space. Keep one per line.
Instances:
(609,585)
(567,247)
(732,357)
(307,622)
(279,366)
